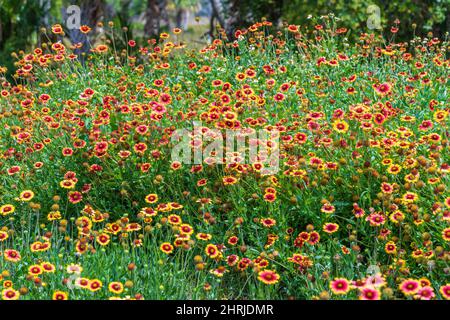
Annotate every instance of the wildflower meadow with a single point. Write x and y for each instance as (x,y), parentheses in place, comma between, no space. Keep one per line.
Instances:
(291,162)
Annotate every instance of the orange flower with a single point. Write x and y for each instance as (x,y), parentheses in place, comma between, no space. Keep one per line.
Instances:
(268,277)
(151,198)
(85,29)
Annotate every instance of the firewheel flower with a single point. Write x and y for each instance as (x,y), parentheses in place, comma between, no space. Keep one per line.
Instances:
(409,287)
(10,294)
(369,293)
(151,198)
(340,286)
(60,295)
(166,247)
(330,228)
(7,209)
(268,277)
(11,255)
(26,195)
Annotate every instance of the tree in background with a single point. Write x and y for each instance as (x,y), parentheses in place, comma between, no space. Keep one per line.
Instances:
(19,26)
(428,15)
(20,21)
(182,8)
(155,13)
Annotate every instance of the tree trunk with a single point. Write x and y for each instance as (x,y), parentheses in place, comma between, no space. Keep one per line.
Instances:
(182,18)
(92,12)
(124,17)
(46,6)
(164,14)
(215,14)
(152,19)
(234,20)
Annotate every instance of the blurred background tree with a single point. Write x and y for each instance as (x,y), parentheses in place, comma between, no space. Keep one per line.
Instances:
(21,20)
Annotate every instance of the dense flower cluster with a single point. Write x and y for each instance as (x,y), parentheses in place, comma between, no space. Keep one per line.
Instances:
(92,205)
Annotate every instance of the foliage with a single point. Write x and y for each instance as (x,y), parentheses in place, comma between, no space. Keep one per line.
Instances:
(93,206)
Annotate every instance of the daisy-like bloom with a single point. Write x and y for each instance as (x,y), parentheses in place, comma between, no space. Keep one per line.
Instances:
(85,29)
(446,234)
(115,287)
(233,240)
(212,251)
(268,277)
(11,255)
(296,258)
(369,293)
(166,247)
(445,291)
(376,281)
(293,28)
(48,267)
(175,165)
(229,180)
(75,197)
(268,222)
(232,260)
(409,287)
(148,212)
(103,239)
(330,227)
(340,126)
(270,197)
(340,286)
(10,294)
(35,270)
(314,238)
(376,219)
(26,195)
(383,89)
(387,188)
(131,227)
(279,97)
(174,219)
(424,282)
(390,247)
(151,198)
(357,211)
(57,29)
(203,236)
(425,293)
(410,197)
(101,48)
(327,208)
(447,202)
(3,236)
(81,247)
(94,285)
(82,283)
(60,295)
(7,209)
(219,272)
(394,169)
(186,229)
(397,216)
(67,184)
(38,246)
